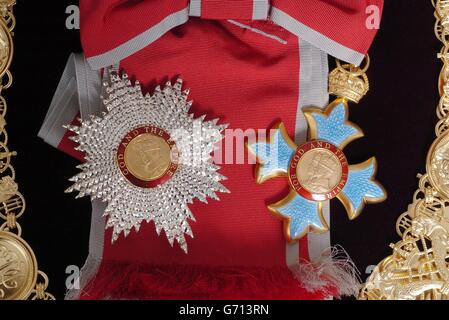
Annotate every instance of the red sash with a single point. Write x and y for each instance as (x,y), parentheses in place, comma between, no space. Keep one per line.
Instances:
(241,61)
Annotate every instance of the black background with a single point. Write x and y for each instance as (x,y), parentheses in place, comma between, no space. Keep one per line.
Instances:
(398,118)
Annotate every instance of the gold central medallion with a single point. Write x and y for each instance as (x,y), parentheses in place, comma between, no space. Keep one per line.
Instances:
(318,170)
(147,157)
(18,268)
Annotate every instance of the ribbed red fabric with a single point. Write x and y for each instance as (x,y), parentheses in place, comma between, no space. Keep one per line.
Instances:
(230,9)
(107,24)
(246,80)
(344,21)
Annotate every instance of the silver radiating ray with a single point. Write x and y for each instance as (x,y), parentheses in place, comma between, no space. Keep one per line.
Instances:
(167,204)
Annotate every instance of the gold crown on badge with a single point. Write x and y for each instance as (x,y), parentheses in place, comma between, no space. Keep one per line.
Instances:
(349,81)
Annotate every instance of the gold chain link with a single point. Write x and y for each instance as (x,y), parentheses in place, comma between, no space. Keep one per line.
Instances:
(12,203)
(417,269)
(442,34)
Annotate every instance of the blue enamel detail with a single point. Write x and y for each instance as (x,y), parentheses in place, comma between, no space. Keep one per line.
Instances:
(333,128)
(303,214)
(360,186)
(275,156)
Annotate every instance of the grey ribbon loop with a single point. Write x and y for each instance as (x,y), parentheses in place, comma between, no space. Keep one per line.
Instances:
(78,92)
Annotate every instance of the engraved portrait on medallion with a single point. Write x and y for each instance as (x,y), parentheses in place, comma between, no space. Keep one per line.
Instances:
(319,171)
(148,157)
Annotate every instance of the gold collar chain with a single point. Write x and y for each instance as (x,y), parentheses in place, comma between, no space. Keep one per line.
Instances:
(20,277)
(418,268)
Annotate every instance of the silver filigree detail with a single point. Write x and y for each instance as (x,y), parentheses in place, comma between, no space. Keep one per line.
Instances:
(167,204)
